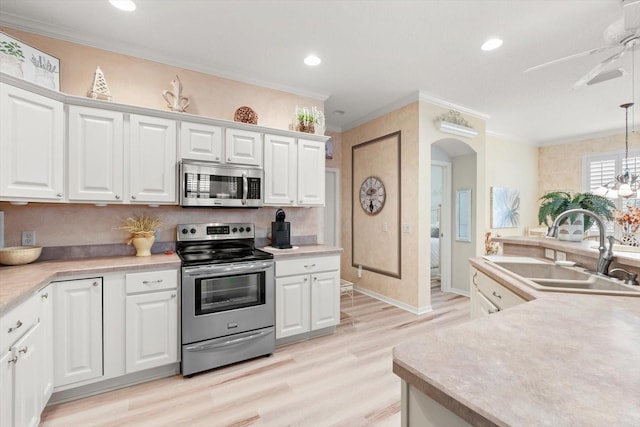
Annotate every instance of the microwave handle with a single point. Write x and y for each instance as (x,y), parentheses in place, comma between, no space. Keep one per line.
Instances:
(245,187)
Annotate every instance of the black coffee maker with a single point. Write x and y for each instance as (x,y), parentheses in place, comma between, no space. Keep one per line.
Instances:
(280,232)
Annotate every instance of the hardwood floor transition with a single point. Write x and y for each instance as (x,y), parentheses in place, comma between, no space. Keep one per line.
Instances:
(344,379)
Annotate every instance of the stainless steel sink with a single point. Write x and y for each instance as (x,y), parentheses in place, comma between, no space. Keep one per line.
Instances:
(552,277)
(544,271)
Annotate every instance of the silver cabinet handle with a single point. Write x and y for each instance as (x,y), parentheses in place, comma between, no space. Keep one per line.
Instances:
(217,158)
(173,295)
(228,159)
(315,279)
(497,295)
(14,359)
(13,328)
(95,283)
(44,296)
(309,266)
(492,311)
(306,279)
(290,201)
(24,350)
(133,197)
(59,195)
(117,197)
(473,279)
(150,282)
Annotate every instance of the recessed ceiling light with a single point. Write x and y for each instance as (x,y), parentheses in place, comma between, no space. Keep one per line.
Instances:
(338,113)
(126,5)
(312,60)
(491,44)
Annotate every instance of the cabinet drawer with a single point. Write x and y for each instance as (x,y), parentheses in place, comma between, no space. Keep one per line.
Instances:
(485,307)
(151,281)
(18,321)
(307,265)
(497,294)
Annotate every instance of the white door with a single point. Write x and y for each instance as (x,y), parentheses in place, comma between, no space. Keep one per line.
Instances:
(27,393)
(32,146)
(280,171)
(152,160)
(332,207)
(152,330)
(441,196)
(95,154)
(6,388)
(243,147)
(200,142)
(311,165)
(77,331)
(325,300)
(292,306)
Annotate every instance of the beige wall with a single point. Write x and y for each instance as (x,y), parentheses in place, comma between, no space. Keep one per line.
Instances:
(140,82)
(514,165)
(560,166)
(405,119)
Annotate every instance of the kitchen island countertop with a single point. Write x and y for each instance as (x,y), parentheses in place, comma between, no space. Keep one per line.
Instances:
(560,359)
(18,283)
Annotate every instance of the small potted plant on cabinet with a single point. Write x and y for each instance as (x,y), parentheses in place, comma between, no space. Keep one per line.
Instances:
(574,227)
(142,230)
(306,120)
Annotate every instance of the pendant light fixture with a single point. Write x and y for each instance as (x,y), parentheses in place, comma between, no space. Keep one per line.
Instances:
(627,184)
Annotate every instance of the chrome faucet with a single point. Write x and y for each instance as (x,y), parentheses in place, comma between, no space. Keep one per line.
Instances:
(605,255)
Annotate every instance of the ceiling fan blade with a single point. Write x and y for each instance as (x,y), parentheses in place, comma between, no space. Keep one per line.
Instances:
(596,70)
(570,57)
(631,10)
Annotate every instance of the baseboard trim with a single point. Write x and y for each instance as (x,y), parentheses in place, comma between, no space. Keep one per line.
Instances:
(305,336)
(394,302)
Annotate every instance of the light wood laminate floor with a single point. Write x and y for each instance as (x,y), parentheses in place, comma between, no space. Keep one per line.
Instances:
(344,379)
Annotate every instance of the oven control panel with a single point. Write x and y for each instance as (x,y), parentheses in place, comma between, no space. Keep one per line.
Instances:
(215,231)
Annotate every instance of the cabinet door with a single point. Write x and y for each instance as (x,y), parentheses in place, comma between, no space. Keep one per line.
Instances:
(32,146)
(27,403)
(243,147)
(200,142)
(325,300)
(292,306)
(310,173)
(95,154)
(46,355)
(280,172)
(6,388)
(152,330)
(152,160)
(77,331)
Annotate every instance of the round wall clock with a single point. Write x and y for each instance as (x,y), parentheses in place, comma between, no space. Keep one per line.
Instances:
(372,195)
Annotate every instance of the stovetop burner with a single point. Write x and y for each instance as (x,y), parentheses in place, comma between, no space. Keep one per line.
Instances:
(201,244)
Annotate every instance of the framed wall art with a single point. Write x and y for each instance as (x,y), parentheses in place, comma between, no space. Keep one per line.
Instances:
(26,62)
(505,207)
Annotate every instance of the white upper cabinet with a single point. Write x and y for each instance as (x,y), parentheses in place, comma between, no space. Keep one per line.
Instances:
(243,147)
(96,154)
(200,142)
(32,146)
(152,160)
(280,170)
(311,172)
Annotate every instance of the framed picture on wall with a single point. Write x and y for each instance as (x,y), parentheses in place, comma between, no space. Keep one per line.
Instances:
(328,149)
(505,207)
(26,62)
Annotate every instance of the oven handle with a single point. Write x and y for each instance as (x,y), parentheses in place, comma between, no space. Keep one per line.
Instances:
(245,187)
(227,343)
(217,270)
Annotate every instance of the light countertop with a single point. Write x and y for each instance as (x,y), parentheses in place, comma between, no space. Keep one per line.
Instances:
(18,283)
(302,250)
(557,360)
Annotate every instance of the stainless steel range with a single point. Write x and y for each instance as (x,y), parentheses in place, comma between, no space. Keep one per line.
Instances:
(228,307)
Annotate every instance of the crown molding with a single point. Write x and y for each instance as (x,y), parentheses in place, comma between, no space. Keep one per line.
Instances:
(426,97)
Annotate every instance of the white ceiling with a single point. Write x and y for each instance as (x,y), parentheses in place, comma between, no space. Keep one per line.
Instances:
(375,53)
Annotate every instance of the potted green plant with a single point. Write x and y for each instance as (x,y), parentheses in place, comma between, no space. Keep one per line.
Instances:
(142,230)
(11,58)
(573,228)
(306,119)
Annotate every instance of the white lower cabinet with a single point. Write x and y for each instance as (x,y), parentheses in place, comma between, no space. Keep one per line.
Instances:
(25,366)
(489,296)
(152,320)
(77,330)
(307,295)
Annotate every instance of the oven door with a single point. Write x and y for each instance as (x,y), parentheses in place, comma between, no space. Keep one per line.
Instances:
(225,299)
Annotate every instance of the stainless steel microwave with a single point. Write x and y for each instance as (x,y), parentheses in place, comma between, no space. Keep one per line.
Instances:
(205,184)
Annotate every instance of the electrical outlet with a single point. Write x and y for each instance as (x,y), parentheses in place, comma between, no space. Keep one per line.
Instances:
(548,253)
(28,238)
(561,256)
(406,228)
(385,227)
(359,272)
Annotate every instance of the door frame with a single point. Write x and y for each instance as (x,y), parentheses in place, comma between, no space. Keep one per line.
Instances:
(445,226)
